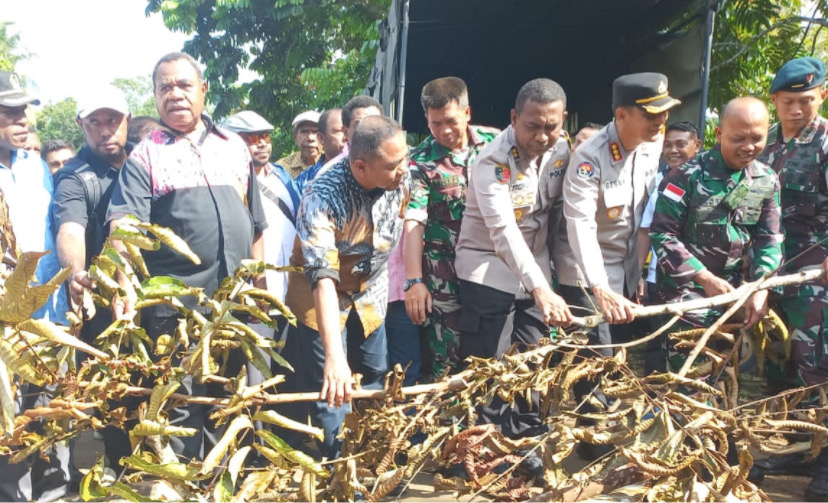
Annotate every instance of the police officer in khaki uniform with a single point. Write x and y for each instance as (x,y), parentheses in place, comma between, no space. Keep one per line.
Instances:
(606,187)
(605,190)
(502,258)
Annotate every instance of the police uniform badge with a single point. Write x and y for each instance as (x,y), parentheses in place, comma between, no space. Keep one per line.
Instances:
(518,213)
(515,154)
(662,87)
(615,151)
(559,163)
(613,213)
(585,170)
(14,82)
(502,173)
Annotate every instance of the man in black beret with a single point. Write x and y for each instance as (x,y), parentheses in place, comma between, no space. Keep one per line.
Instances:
(797,150)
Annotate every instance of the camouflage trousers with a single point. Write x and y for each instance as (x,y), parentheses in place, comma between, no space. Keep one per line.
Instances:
(440,331)
(699,318)
(805,311)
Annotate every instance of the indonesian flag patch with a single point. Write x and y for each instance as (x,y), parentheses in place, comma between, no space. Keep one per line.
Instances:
(673,193)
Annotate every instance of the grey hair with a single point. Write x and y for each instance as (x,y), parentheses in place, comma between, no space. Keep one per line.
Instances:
(370,134)
(540,91)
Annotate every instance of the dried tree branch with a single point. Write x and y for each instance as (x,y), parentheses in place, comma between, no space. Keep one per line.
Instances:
(679,308)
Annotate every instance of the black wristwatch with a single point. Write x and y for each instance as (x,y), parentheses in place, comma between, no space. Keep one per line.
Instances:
(407,284)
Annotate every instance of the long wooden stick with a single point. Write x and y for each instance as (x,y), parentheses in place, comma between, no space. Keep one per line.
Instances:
(679,308)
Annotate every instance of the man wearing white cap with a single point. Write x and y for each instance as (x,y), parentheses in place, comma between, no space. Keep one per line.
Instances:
(83,188)
(26,185)
(304,135)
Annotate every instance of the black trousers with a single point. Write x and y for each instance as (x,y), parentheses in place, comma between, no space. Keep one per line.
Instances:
(490,322)
(116,441)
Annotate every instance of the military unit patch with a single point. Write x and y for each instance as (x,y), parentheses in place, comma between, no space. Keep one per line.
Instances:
(585,170)
(615,151)
(502,173)
(613,213)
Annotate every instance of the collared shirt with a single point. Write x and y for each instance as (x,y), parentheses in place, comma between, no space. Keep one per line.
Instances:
(304,178)
(205,191)
(70,203)
(275,182)
(706,216)
(346,233)
(27,187)
(605,191)
(293,163)
(502,240)
(802,166)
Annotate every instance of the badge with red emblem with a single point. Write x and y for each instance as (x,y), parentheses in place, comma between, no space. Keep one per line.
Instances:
(502,173)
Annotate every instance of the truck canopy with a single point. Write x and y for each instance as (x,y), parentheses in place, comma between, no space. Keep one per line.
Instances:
(498,45)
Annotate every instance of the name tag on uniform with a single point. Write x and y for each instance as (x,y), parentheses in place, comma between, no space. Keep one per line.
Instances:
(614,184)
(524,194)
(449,181)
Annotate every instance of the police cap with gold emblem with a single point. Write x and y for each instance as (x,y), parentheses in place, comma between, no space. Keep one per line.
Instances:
(647,91)
(11,94)
(798,75)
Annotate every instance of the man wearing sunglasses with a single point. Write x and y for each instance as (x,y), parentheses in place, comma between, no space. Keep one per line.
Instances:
(280,199)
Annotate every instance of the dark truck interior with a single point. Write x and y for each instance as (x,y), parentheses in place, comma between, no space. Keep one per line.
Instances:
(498,45)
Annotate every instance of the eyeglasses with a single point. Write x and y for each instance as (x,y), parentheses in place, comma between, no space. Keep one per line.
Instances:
(254,138)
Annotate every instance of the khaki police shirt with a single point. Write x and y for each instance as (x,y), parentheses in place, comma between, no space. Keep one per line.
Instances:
(502,240)
(605,190)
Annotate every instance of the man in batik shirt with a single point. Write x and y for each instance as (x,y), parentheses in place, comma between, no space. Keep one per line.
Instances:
(440,167)
(349,221)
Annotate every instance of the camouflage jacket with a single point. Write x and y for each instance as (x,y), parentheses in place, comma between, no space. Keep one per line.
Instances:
(439,183)
(708,214)
(802,166)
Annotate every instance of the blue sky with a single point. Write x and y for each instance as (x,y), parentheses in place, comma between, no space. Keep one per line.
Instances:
(86,42)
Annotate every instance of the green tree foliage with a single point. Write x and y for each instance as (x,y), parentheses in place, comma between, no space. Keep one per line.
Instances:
(57,121)
(138,93)
(10,53)
(312,54)
(753,38)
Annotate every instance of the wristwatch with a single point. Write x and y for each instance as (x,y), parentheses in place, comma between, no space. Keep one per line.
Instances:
(407,284)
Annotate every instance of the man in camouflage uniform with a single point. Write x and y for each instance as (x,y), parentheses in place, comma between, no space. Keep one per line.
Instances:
(710,212)
(440,167)
(797,150)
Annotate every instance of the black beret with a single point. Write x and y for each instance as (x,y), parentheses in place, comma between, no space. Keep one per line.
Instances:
(647,91)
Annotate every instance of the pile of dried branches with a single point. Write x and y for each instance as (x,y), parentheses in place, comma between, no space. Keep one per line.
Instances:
(672,437)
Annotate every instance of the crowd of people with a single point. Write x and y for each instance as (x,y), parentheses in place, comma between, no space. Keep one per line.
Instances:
(472,242)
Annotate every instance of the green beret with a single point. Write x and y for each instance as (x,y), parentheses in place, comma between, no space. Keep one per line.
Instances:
(798,75)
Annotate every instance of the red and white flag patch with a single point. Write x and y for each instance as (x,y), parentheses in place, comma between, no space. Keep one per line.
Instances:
(673,193)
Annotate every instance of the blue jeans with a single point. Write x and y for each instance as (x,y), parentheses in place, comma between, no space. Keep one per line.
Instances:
(304,350)
(403,341)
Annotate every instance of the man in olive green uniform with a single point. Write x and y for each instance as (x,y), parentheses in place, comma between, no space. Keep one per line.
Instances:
(711,213)
(797,150)
(502,257)
(440,170)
